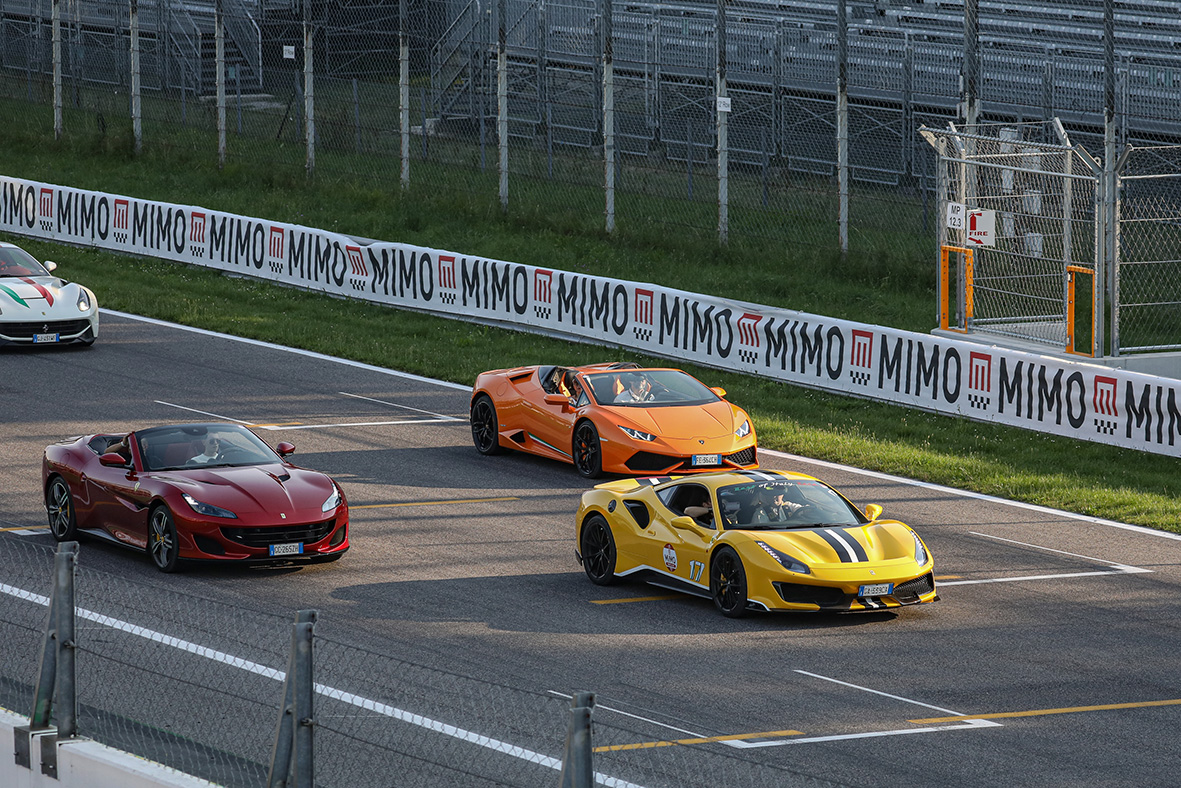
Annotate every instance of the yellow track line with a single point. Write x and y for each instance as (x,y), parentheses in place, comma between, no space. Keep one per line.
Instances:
(25,528)
(705,740)
(432,503)
(636,599)
(280,424)
(1040,712)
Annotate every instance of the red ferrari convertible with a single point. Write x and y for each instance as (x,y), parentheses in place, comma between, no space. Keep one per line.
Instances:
(212,492)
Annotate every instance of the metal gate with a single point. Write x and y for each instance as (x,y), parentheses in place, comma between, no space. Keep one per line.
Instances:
(1027,206)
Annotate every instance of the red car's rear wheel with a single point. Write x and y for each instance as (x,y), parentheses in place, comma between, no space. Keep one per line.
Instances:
(63,523)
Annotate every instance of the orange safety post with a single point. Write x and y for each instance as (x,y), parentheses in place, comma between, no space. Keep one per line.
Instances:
(1071,270)
(945,287)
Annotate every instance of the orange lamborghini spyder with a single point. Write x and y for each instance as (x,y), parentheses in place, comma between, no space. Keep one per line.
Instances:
(612,418)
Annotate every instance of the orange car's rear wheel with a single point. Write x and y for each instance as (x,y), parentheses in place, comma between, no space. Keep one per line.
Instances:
(484,426)
(598,551)
(587,453)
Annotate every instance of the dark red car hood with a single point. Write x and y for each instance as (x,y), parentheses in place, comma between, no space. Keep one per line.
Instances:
(253,489)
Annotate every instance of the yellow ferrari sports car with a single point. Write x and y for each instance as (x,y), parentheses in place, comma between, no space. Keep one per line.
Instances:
(752,540)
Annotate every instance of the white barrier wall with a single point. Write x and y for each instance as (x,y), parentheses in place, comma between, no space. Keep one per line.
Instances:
(1063,397)
(83,764)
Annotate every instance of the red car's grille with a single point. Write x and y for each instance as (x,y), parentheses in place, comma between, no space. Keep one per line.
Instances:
(279,534)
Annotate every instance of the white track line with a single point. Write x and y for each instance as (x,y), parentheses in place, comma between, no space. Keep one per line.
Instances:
(399,405)
(297,351)
(250,666)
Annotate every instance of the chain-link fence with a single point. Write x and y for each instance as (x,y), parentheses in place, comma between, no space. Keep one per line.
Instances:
(422,92)
(198,685)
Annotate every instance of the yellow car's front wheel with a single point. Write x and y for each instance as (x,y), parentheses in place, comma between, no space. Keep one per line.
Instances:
(598,551)
(727,583)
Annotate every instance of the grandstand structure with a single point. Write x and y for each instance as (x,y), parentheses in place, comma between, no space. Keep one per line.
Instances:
(1038,61)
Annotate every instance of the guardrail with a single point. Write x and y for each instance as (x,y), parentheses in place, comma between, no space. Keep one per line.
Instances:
(194,687)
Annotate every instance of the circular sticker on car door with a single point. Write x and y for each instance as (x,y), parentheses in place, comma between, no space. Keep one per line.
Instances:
(670,558)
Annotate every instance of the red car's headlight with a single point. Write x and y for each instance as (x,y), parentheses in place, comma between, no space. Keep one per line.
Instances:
(208,509)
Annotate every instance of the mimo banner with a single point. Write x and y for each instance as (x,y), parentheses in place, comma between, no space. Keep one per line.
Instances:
(953,377)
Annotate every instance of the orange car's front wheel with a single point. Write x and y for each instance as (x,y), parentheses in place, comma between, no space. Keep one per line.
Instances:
(587,453)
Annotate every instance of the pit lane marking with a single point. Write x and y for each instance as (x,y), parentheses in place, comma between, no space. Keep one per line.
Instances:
(1116,567)
(25,530)
(205,413)
(1065,710)
(647,745)
(431,503)
(295,425)
(633,599)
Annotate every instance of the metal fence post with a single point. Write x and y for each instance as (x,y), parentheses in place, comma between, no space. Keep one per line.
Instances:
(843,126)
(404,92)
(608,116)
(502,100)
(577,764)
(309,86)
(66,696)
(219,35)
(136,122)
(722,111)
(57,69)
(293,756)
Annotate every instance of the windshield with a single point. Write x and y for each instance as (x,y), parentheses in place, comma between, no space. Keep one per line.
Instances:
(784,504)
(202,446)
(18,262)
(649,387)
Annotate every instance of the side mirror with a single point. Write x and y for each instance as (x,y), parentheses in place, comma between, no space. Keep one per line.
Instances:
(873,511)
(684,524)
(557,399)
(285,448)
(114,460)
(50,266)
(721,392)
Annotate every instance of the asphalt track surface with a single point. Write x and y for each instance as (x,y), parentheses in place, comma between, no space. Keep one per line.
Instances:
(1051,658)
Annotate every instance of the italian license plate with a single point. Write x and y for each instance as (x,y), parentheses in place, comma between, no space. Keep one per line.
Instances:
(706,459)
(877,589)
(40,338)
(291,548)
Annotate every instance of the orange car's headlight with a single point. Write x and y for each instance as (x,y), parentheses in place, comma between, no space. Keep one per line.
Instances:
(743,430)
(637,434)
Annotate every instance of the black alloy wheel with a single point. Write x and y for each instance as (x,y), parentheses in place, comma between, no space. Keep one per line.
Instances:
(587,453)
(485,434)
(163,546)
(63,523)
(598,551)
(727,583)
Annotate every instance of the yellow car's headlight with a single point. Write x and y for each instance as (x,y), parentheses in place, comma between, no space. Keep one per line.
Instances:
(920,552)
(785,560)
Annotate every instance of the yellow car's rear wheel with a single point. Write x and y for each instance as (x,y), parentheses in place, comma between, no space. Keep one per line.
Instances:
(727,583)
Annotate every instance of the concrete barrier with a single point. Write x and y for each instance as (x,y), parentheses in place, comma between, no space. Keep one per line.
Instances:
(78,763)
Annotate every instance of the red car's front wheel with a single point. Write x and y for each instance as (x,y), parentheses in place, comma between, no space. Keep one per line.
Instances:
(163,545)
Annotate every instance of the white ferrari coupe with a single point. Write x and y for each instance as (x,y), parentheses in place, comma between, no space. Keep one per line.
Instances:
(38,308)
